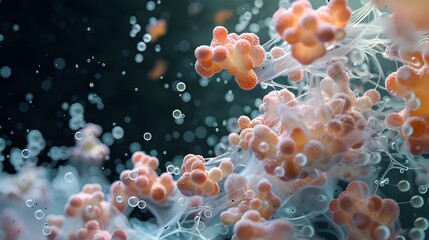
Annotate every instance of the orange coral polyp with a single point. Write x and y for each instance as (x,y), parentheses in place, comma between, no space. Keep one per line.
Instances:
(308,30)
(236,54)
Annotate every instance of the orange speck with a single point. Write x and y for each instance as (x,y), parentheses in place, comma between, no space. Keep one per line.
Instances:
(222,16)
(158,70)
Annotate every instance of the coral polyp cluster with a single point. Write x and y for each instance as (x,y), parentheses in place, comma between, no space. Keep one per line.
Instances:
(336,150)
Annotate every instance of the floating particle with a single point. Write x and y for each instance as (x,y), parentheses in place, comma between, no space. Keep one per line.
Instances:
(222,16)
(195,8)
(59,63)
(157,29)
(150,5)
(147,38)
(5,72)
(158,69)
(117,132)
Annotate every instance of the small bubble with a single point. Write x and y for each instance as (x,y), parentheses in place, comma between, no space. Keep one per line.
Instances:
(229,96)
(25,153)
(170,169)
(133,175)
(177,114)
(29,203)
(307,231)
(133,201)
(421,223)
(78,135)
(119,199)
(150,6)
(423,189)
(201,226)
(117,132)
(264,147)
(181,86)
(321,198)
(147,38)
(300,159)
(141,46)
(138,58)
(47,230)
(208,213)
(69,177)
(279,171)
(59,63)
(382,232)
(416,234)
(141,204)
(250,194)
(133,20)
(182,201)
(5,72)
(39,214)
(147,136)
(403,185)
(416,201)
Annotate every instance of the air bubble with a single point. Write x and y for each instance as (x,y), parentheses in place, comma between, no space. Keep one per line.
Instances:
(423,189)
(59,63)
(78,135)
(141,46)
(182,201)
(416,234)
(147,136)
(403,185)
(416,201)
(118,132)
(250,194)
(382,232)
(421,223)
(170,169)
(25,153)
(39,214)
(150,6)
(69,177)
(133,201)
(180,86)
(229,96)
(147,38)
(47,230)
(300,159)
(133,175)
(208,213)
(176,171)
(279,171)
(5,72)
(177,114)
(29,203)
(141,204)
(264,147)
(119,199)
(307,231)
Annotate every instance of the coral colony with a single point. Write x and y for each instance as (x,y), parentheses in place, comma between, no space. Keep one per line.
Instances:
(312,165)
